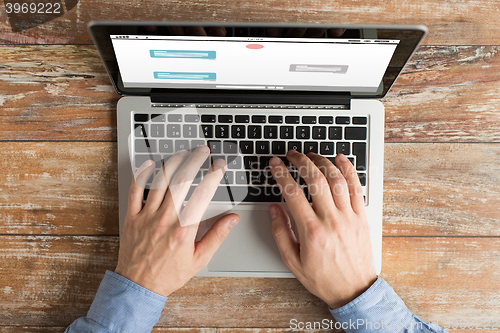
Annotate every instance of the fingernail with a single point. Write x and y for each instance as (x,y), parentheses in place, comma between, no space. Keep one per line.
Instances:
(292,152)
(342,158)
(274,212)
(183,152)
(234,221)
(202,148)
(148,163)
(274,161)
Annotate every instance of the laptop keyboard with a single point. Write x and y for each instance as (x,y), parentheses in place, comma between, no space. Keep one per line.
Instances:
(247,143)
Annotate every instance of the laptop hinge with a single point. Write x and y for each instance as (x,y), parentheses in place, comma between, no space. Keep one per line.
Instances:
(198,96)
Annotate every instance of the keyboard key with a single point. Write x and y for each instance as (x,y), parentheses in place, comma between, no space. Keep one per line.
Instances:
(319,132)
(207,131)
(246,147)
(208,118)
(284,160)
(234,162)
(145,146)
(292,119)
(181,144)
(173,131)
(286,132)
(343,148)
(326,148)
(141,130)
(222,131)
(140,159)
(230,147)
(326,120)
(331,159)
(191,118)
(335,133)
(359,120)
(177,118)
(355,133)
(215,146)
(262,147)
(310,147)
(141,117)
(275,119)
(308,119)
(259,119)
(254,132)
(228,178)
(295,145)
(250,162)
(270,132)
(166,146)
(258,178)
(238,131)
(342,120)
(264,162)
(189,131)
(303,132)
(225,118)
(279,147)
(157,131)
(359,150)
(196,143)
(242,119)
(158,118)
(362,178)
(242,177)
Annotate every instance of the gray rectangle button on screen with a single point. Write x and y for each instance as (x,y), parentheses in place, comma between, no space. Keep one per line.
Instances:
(337,69)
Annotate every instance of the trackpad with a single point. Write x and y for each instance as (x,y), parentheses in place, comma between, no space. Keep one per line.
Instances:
(249,247)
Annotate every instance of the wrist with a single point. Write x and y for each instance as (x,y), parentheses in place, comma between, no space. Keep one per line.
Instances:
(354,292)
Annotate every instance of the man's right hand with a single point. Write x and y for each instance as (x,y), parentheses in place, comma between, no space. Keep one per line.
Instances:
(333,259)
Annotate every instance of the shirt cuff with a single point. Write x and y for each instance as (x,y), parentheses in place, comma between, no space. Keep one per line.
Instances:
(121,305)
(378,309)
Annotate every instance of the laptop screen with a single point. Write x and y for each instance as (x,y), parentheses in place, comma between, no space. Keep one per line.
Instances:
(265,63)
(274,60)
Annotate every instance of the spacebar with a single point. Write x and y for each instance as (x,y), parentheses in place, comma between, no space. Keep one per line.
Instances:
(245,194)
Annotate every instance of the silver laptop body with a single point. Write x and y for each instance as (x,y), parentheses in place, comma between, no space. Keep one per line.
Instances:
(185,106)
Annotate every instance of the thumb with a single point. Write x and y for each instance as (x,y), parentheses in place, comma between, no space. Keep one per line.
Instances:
(210,242)
(285,237)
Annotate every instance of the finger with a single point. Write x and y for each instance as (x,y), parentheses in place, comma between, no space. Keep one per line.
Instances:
(136,192)
(161,181)
(299,207)
(317,184)
(285,238)
(203,194)
(210,242)
(179,185)
(354,185)
(337,182)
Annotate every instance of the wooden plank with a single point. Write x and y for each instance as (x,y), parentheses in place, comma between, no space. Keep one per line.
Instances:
(50,281)
(71,188)
(447,93)
(59,329)
(470,22)
(281,330)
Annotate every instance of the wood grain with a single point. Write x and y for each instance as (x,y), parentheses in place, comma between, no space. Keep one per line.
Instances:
(462,23)
(59,329)
(50,281)
(71,188)
(59,92)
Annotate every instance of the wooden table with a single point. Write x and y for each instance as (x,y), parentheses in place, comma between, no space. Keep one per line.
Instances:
(58,169)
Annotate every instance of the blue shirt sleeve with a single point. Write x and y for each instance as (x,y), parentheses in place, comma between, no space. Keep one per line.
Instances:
(120,306)
(379,309)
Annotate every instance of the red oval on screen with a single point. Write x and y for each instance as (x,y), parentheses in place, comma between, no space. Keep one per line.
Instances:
(254,46)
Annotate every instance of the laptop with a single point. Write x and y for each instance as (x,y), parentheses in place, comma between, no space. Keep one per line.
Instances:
(250,92)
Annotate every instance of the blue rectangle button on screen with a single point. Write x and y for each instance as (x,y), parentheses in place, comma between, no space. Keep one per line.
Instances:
(187,54)
(184,76)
